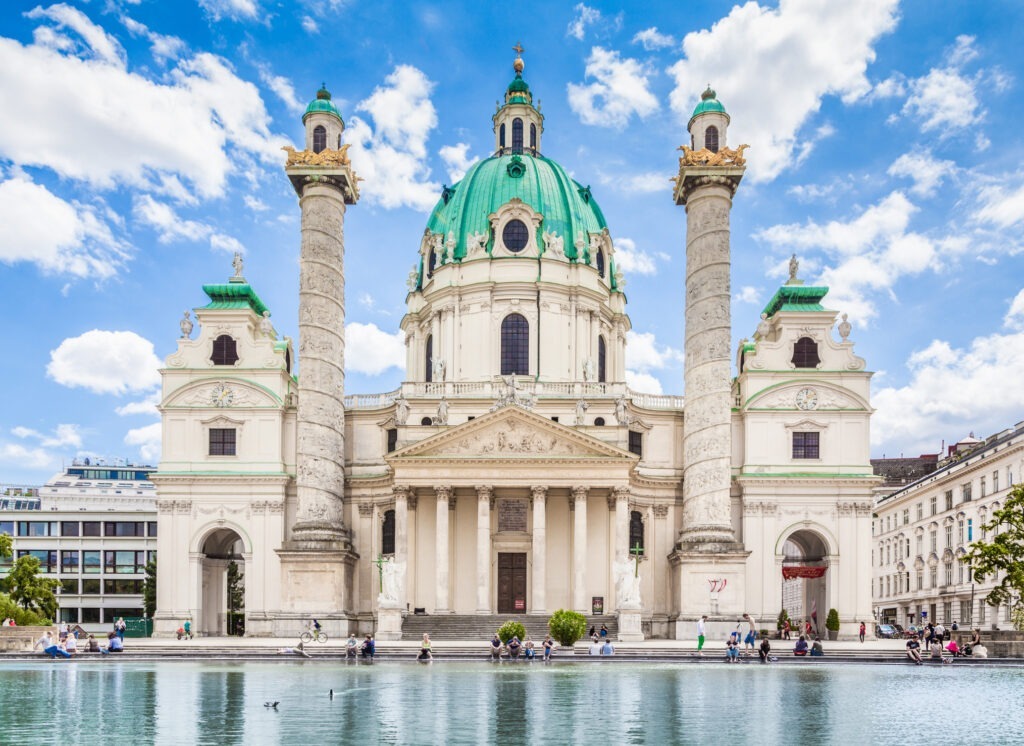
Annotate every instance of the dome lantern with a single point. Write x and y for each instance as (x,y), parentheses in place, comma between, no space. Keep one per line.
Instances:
(708,123)
(518,124)
(323,122)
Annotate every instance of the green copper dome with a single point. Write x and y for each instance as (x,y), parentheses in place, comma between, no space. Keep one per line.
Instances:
(708,103)
(323,104)
(568,208)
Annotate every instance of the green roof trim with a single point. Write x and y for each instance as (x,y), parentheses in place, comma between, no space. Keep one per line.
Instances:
(708,103)
(233,295)
(322,104)
(796,298)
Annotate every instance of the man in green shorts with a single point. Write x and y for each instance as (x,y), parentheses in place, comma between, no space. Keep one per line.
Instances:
(700,634)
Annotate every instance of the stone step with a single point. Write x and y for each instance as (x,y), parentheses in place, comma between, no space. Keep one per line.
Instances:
(482,627)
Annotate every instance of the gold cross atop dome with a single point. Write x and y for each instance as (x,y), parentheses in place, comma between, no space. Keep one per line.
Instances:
(518,65)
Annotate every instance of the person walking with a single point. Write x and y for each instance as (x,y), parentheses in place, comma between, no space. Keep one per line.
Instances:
(863,630)
(700,634)
(188,629)
(786,628)
(120,627)
(748,641)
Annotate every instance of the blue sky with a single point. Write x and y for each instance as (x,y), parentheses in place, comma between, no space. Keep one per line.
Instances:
(140,146)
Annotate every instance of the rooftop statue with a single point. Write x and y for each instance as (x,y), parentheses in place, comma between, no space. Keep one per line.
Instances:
(326,157)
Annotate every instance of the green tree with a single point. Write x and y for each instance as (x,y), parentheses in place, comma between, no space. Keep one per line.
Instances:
(236,599)
(149,589)
(6,546)
(567,626)
(30,591)
(781,621)
(1004,554)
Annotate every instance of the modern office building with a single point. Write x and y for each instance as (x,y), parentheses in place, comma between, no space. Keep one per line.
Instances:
(922,530)
(93,526)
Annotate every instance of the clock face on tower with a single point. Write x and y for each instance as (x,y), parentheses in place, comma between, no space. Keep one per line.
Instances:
(222,396)
(807,399)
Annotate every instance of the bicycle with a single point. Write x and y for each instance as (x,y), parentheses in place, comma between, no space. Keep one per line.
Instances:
(312,633)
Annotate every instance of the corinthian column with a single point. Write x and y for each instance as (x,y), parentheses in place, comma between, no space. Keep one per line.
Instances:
(483,549)
(323,192)
(401,493)
(707,195)
(444,494)
(621,522)
(540,584)
(579,549)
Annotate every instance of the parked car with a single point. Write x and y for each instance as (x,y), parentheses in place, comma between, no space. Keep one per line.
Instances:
(885,631)
(900,632)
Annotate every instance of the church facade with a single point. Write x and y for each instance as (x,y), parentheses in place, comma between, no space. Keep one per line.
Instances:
(513,471)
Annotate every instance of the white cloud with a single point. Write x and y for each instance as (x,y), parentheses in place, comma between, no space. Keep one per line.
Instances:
(835,40)
(747,294)
(221,242)
(235,9)
(1015,316)
(171,227)
(372,351)
(17,455)
(652,39)
(585,16)
(1000,206)
(871,252)
(643,382)
(105,362)
(926,171)
(456,158)
(950,393)
(63,435)
(255,204)
(77,239)
(643,353)
(390,154)
(163,47)
(309,25)
(620,90)
(148,440)
(628,258)
(147,406)
(118,127)
(283,88)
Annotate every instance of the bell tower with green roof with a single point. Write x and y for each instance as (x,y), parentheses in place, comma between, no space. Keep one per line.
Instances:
(518,124)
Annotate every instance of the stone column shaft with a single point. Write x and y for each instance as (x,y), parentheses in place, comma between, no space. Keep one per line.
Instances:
(540,584)
(707,453)
(621,523)
(483,549)
(321,413)
(401,493)
(443,495)
(579,550)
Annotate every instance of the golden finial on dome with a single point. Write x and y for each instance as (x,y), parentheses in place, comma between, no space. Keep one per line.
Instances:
(518,64)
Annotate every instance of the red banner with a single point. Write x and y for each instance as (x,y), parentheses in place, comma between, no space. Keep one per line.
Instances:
(803,572)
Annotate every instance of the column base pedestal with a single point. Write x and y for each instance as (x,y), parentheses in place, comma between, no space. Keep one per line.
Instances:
(316,583)
(710,580)
(629,625)
(389,623)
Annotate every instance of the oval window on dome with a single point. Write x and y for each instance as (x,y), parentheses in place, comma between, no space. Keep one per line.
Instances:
(515,236)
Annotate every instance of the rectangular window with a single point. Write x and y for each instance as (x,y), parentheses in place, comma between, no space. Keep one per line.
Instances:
(949,573)
(112,614)
(947,612)
(920,511)
(69,528)
(966,491)
(90,616)
(124,562)
(7,527)
(91,562)
(920,545)
(949,499)
(91,528)
(69,615)
(906,516)
(981,612)
(934,504)
(960,532)
(949,537)
(37,528)
(222,441)
(69,586)
(934,577)
(69,560)
(47,558)
(920,580)
(965,612)
(636,443)
(392,439)
(995,481)
(888,586)
(805,445)
(151,529)
(981,487)
(121,587)
(124,528)
(934,541)
(908,549)
(91,587)
(959,572)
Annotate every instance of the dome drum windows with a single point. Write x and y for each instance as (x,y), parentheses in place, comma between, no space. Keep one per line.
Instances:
(515,345)
(517,136)
(319,138)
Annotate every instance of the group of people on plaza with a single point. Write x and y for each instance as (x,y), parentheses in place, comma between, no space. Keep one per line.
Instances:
(932,639)
(353,648)
(516,648)
(66,643)
(805,628)
(806,644)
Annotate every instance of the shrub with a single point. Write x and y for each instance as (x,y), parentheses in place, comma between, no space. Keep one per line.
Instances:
(22,617)
(783,616)
(832,621)
(567,626)
(511,629)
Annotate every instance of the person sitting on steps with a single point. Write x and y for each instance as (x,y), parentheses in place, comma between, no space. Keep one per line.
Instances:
(914,650)
(495,647)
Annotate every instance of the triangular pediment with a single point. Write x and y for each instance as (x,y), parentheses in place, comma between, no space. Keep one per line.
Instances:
(512,433)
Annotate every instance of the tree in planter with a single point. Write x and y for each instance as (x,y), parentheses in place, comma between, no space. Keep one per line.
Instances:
(149,589)
(1005,553)
(781,621)
(236,600)
(832,623)
(510,629)
(30,591)
(567,626)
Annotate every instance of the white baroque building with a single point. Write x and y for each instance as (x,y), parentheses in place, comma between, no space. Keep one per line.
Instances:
(922,531)
(513,472)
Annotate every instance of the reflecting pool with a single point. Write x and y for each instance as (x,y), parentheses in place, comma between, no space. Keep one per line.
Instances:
(185,702)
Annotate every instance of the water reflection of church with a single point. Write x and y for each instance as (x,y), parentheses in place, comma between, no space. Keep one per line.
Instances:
(514,468)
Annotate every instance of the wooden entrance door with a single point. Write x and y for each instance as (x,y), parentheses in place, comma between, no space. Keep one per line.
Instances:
(512,583)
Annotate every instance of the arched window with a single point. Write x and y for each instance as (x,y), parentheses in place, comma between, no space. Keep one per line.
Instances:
(428,355)
(501,136)
(533,138)
(711,138)
(636,531)
(599,421)
(599,260)
(225,351)
(431,261)
(387,533)
(602,358)
(805,353)
(517,135)
(515,345)
(426,421)
(319,138)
